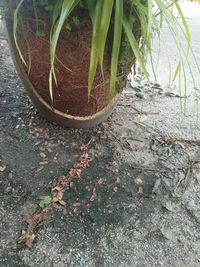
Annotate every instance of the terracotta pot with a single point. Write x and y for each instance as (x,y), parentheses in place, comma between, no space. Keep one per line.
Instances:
(44,108)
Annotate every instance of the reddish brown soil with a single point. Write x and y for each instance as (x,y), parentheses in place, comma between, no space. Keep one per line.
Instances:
(74,51)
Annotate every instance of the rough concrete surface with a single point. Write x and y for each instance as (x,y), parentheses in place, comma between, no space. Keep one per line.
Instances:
(146,209)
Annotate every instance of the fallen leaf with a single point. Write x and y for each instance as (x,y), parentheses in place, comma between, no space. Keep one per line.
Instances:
(39,217)
(42,155)
(62,202)
(140,190)
(2,168)
(94,194)
(55,199)
(39,168)
(29,242)
(37,143)
(43,163)
(84,147)
(56,188)
(138,181)
(75,173)
(60,195)
(45,202)
(101,181)
(115,189)
(118,180)
(141,117)
(76,208)
(46,136)
(81,165)
(26,238)
(86,157)
(182,146)
(156,185)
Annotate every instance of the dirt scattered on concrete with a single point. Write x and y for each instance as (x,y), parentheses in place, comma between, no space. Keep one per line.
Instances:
(137,204)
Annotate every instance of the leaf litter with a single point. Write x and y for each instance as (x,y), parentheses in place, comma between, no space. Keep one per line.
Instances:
(58,187)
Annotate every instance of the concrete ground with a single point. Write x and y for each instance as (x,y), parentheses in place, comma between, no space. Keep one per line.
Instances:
(138,204)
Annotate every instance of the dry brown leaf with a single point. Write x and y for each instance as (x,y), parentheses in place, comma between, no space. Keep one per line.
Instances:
(39,168)
(37,143)
(39,217)
(43,163)
(75,173)
(140,190)
(56,188)
(81,165)
(26,238)
(55,199)
(84,147)
(29,242)
(86,157)
(62,202)
(59,195)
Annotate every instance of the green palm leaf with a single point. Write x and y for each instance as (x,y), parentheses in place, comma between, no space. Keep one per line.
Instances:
(134,45)
(67,7)
(116,45)
(15,24)
(94,57)
(104,26)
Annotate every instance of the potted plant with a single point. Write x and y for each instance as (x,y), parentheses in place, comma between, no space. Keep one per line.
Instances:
(73,56)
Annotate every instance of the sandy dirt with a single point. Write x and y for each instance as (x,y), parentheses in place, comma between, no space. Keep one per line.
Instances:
(139,201)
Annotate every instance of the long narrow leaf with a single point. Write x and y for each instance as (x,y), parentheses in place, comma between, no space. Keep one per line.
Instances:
(67,7)
(104,26)
(94,49)
(134,45)
(119,6)
(91,7)
(15,24)
(187,31)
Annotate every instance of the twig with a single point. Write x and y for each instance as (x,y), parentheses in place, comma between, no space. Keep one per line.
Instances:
(148,126)
(147,169)
(138,111)
(196,142)
(185,180)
